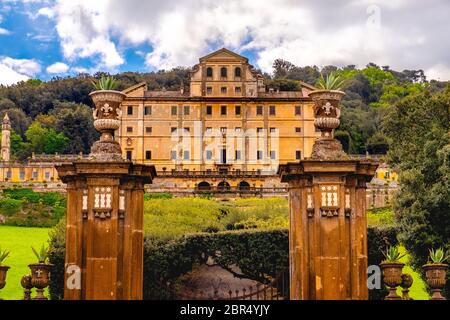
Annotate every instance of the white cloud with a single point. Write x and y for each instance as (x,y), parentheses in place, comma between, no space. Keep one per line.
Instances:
(46,12)
(27,67)
(4,31)
(8,76)
(58,67)
(315,32)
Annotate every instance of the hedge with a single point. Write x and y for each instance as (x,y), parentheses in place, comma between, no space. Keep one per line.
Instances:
(260,254)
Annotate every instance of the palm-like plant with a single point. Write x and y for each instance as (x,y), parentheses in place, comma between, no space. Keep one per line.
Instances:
(331,82)
(438,256)
(105,83)
(393,254)
(3,255)
(42,254)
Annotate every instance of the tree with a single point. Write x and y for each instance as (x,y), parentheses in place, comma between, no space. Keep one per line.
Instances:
(46,140)
(418,131)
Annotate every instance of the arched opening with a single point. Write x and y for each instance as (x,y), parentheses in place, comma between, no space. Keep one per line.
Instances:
(209,72)
(244,185)
(204,186)
(223,185)
(223,72)
(237,72)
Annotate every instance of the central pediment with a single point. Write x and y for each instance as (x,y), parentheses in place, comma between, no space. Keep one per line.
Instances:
(223,55)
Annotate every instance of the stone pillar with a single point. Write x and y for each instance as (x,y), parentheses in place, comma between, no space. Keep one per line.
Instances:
(328,224)
(104,228)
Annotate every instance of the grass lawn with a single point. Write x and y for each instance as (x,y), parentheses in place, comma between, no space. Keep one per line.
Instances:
(18,241)
(417,290)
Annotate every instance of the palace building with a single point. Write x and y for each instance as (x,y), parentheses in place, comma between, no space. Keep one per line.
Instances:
(228,131)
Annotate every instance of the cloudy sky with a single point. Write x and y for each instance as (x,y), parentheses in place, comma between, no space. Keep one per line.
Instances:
(47,38)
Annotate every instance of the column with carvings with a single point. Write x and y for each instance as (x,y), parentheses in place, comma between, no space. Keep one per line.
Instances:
(104,230)
(328,224)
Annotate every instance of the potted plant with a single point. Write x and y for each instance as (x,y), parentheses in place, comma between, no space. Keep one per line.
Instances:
(40,272)
(3,269)
(327,113)
(106,115)
(392,271)
(435,272)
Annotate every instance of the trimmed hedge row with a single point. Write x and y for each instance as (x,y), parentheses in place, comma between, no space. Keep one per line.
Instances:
(260,254)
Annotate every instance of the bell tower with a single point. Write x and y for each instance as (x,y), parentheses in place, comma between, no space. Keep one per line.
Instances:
(6,138)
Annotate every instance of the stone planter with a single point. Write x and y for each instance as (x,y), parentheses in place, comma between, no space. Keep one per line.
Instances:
(392,275)
(436,278)
(106,116)
(40,278)
(327,114)
(3,271)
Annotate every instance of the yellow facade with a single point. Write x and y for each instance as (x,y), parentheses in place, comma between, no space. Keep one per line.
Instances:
(228,119)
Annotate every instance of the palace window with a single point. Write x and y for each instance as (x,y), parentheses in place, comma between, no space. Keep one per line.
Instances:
(47,175)
(259,130)
(238,129)
(208,154)
(35,175)
(223,90)
(208,130)
(237,110)
(8,174)
(237,89)
(186,155)
(129,155)
(298,129)
(173,155)
(272,110)
(22,175)
(238,154)
(209,110)
(174,110)
(209,72)
(298,155)
(273,130)
(298,110)
(148,130)
(237,72)
(273,155)
(259,155)
(130,110)
(129,129)
(223,72)
(187,129)
(148,155)
(208,90)
(187,110)
(173,129)
(259,110)
(147,110)
(223,110)
(223,130)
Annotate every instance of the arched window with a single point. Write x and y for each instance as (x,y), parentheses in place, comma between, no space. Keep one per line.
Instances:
(223,72)
(223,185)
(244,185)
(237,72)
(204,186)
(209,72)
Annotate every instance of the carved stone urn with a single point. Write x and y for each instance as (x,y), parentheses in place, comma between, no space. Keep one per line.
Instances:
(27,286)
(3,271)
(436,277)
(106,116)
(40,278)
(327,114)
(392,275)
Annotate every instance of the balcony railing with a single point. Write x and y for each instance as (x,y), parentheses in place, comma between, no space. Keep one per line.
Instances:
(212,174)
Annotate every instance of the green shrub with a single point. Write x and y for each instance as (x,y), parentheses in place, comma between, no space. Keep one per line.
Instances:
(164,195)
(10,207)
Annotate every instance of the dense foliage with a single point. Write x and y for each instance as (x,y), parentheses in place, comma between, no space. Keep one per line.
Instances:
(24,207)
(418,129)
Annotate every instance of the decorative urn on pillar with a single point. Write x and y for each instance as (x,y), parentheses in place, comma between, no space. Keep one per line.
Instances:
(436,272)
(105,195)
(328,224)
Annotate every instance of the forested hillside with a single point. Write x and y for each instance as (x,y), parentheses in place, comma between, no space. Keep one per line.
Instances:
(55,116)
